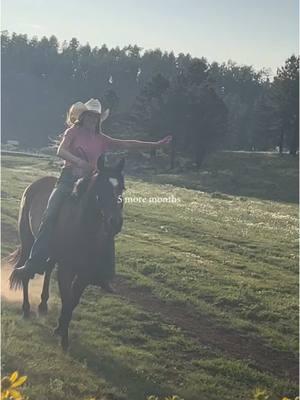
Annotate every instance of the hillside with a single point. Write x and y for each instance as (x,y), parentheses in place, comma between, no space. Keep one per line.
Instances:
(206,293)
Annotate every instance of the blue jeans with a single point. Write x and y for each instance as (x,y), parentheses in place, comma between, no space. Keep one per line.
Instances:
(40,249)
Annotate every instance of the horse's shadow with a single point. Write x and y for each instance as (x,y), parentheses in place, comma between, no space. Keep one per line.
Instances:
(115,372)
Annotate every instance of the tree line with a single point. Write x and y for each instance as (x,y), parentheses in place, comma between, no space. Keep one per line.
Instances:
(206,106)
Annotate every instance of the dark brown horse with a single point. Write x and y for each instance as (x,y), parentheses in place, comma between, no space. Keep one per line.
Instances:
(83,240)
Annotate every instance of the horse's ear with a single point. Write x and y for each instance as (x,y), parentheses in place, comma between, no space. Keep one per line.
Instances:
(101,162)
(120,165)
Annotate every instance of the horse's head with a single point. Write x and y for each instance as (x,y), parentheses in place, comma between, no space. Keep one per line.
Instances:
(102,197)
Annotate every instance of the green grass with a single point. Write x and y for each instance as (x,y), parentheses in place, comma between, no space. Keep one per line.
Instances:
(206,296)
(268,176)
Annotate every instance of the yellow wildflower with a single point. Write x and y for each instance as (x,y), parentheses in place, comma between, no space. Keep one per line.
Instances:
(8,385)
(261,394)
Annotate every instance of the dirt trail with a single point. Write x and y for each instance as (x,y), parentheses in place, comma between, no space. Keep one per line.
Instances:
(16,295)
(203,330)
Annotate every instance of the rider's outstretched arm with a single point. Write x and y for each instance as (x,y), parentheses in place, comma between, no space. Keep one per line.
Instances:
(135,144)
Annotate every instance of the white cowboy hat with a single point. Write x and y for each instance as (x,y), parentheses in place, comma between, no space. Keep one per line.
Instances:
(78,108)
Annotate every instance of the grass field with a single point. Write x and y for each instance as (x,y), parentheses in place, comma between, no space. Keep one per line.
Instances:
(206,293)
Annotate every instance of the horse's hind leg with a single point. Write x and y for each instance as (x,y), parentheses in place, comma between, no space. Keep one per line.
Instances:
(43,307)
(26,304)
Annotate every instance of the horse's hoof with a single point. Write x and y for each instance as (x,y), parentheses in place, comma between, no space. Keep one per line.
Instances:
(26,314)
(106,287)
(43,309)
(64,344)
(57,331)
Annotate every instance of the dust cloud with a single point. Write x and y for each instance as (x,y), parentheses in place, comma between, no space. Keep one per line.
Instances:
(35,286)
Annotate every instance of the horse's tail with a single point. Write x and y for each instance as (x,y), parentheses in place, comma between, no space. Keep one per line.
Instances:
(16,280)
(14,257)
(20,255)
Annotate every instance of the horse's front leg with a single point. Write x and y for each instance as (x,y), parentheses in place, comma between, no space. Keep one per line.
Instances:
(65,277)
(77,289)
(26,304)
(78,286)
(43,307)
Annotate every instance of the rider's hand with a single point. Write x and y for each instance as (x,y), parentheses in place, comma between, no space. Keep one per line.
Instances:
(86,167)
(164,141)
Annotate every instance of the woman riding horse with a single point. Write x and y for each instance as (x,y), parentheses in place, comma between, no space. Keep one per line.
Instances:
(81,145)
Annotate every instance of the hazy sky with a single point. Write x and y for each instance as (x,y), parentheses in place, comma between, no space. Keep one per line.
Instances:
(262,33)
